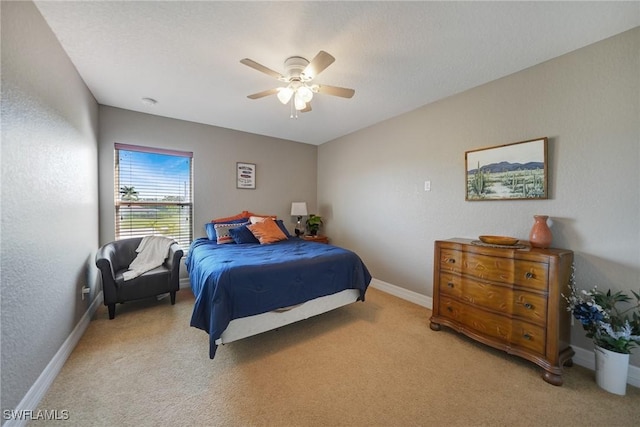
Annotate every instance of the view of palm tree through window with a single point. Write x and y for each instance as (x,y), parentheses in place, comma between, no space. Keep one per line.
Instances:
(153,193)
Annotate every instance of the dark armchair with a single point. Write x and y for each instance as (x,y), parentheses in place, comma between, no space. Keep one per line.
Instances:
(114,258)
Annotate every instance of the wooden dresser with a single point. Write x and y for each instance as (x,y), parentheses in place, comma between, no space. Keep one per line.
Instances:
(507,298)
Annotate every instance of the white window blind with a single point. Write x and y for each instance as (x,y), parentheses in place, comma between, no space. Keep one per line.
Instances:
(153,193)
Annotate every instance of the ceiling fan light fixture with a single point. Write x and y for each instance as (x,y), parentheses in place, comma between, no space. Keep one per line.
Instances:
(299,102)
(285,94)
(305,93)
(299,73)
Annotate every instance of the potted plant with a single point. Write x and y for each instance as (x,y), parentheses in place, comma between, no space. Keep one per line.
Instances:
(615,330)
(313,224)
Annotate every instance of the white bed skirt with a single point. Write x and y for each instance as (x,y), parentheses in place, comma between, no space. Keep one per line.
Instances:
(253,325)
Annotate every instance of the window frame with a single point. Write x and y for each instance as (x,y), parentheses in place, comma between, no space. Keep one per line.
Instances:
(119,203)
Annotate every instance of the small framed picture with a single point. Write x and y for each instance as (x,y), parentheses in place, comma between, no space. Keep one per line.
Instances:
(246,175)
(515,171)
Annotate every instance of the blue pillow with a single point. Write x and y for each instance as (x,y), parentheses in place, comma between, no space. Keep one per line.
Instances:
(242,235)
(209,227)
(283,228)
(211,231)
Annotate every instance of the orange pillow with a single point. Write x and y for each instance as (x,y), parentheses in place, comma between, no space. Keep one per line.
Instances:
(267,231)
(242,215)
(259,218)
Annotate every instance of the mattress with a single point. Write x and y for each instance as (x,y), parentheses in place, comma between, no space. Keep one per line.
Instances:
(233,281)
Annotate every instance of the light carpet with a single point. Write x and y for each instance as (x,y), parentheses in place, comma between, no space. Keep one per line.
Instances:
(375,363)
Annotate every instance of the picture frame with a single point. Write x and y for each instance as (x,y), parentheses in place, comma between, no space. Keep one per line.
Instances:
(246,176)
(516,171)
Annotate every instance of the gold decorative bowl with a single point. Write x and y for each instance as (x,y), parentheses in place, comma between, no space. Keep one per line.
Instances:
(498,240)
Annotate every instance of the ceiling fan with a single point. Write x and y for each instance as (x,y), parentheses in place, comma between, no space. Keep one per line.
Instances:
(299,73)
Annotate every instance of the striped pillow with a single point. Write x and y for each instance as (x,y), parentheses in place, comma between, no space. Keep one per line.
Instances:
(222,231)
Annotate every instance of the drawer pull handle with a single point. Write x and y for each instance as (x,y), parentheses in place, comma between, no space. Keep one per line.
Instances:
(451,260)
(449,309)
(527,337)
(529,275)
(528,306)
(450,285)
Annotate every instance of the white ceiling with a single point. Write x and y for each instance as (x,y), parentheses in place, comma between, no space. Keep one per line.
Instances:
(396,55)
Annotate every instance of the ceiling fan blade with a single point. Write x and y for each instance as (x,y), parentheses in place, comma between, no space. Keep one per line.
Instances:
(307,108)
(268,71)
(336,91)
(263,93)
(321,61)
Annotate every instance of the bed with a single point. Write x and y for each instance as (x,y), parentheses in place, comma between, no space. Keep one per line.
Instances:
(245,289)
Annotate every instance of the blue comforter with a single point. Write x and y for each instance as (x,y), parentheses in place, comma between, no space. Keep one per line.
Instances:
(231,281)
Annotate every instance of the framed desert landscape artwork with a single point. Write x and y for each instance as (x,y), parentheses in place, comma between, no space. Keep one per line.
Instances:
(515,171)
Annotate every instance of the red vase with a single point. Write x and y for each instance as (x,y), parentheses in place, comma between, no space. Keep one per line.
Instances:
(540,235)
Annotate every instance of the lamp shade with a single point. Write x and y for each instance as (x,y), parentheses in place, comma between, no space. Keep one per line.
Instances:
(298,208)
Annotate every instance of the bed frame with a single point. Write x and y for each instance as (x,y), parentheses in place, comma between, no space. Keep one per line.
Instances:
(252,325)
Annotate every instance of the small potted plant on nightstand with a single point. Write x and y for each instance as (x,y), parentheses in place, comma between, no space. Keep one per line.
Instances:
(313,224)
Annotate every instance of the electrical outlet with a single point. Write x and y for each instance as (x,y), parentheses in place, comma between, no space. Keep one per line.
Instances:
(427,186)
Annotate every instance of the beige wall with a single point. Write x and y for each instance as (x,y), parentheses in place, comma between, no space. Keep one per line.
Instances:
(49,197)
(285,170)
(371,183)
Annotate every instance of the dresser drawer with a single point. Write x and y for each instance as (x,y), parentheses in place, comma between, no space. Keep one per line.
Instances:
(486,323)
(451,284)
(486,267)
(528,336)
(450,308)
(530,306)
(485,295)
(532,275)
(450,261)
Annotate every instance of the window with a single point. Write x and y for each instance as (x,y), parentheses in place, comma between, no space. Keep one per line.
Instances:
(153,193)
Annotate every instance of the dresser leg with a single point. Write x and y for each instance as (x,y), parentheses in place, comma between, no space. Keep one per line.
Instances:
(552,378)
(435,326)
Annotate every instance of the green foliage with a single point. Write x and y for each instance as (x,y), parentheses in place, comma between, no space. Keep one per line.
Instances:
(478,181)
(313,223)
(603,318)
(128,193)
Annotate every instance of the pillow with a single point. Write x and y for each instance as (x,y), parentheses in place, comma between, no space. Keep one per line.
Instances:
(283,228)
(209,227)
(242,235)
(267,231)
(241,216)
(254,219)
(222,231)
(255,214)
(211,231)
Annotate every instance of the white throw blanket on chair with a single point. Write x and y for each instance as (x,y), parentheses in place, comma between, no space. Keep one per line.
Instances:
(152,252)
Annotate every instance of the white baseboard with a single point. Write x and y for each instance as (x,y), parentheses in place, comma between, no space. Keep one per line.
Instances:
(583,357)
(405,294)
(184,283)
(32,399)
